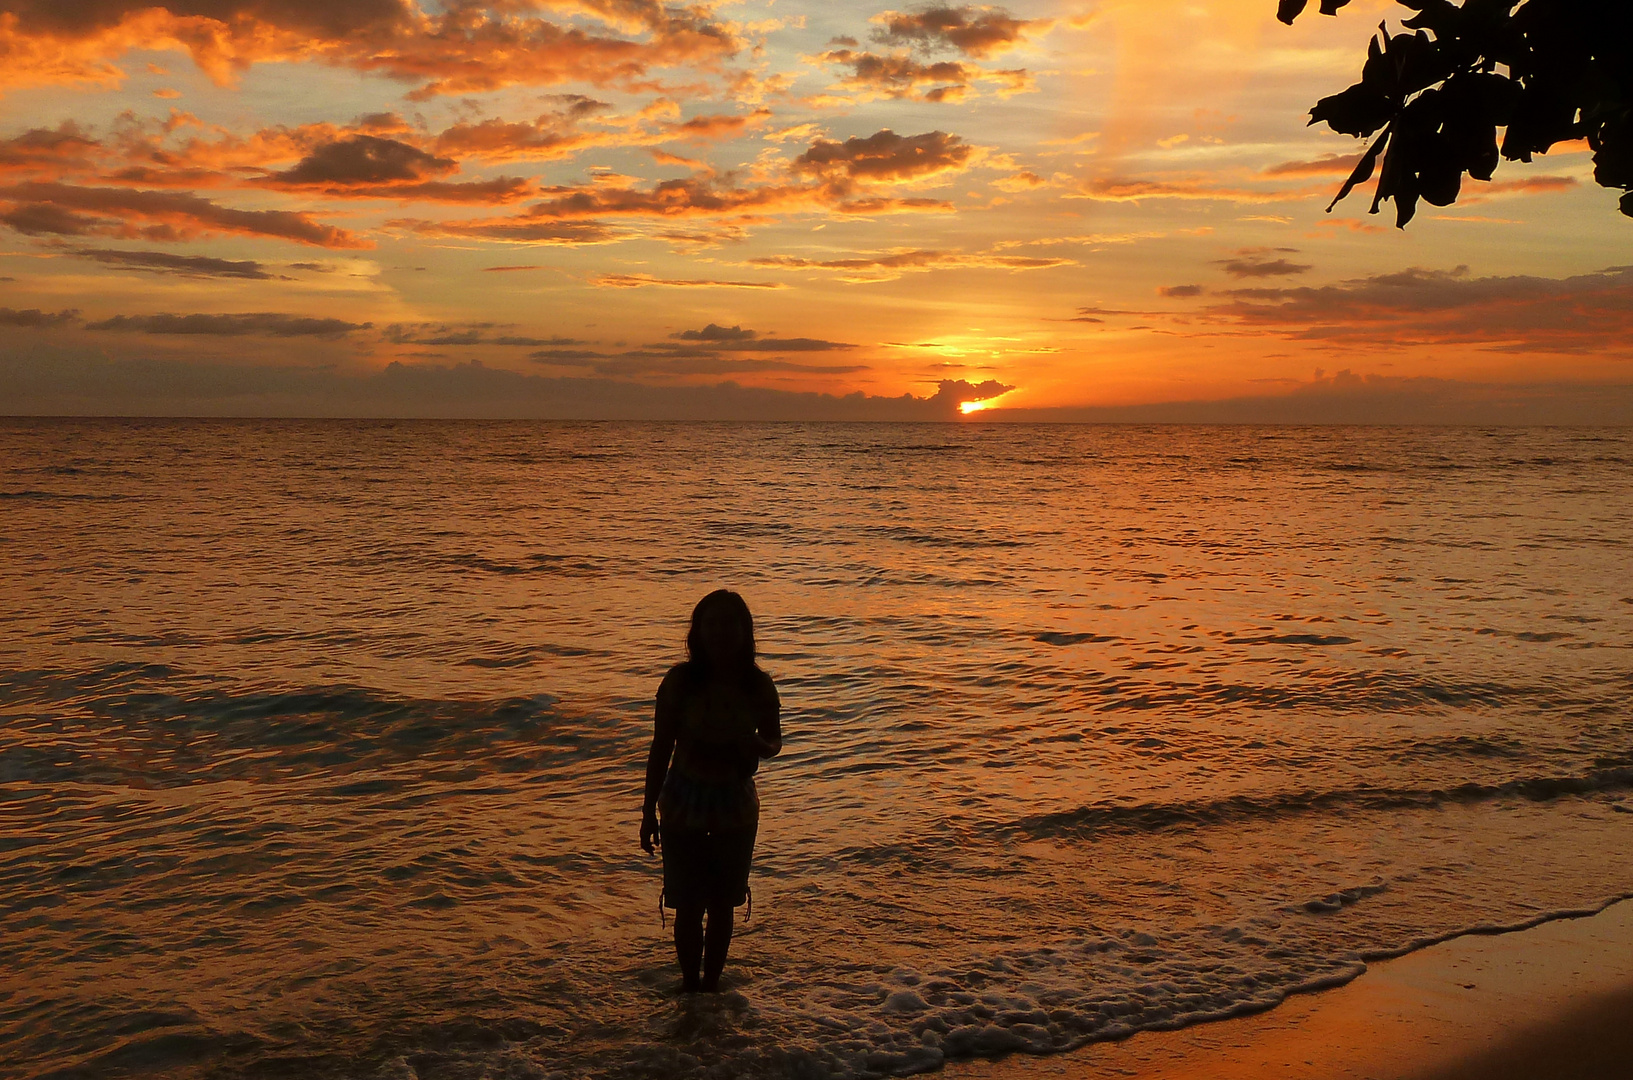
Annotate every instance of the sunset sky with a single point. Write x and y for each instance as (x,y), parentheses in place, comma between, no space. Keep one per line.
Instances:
(613,207)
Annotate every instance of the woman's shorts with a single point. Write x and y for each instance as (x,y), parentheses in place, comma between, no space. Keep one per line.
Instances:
(706,868)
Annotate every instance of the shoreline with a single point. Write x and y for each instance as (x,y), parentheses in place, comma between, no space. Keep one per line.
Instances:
(1551,1001)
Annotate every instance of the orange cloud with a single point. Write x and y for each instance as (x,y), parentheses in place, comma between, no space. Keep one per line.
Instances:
(1325,165)
(47,151)
(551,136)
(1024,180)
(1527,185)
(716,126)
(39,208)
(835,177)
(464,49)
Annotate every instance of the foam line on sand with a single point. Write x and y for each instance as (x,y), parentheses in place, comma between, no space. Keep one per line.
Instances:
(1553,1002)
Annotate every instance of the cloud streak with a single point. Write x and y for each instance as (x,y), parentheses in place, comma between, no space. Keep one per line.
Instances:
(1590,314)
(35,319)
(890,265)
(38,208)
(160,262)
(256,323)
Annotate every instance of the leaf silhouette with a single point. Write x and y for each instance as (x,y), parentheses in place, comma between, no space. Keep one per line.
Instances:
(1542,71)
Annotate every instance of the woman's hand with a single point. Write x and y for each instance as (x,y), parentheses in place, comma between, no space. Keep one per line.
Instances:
(651,834)
(763,747)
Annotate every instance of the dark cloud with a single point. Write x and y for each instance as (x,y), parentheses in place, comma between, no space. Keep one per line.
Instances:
(717,337)
(644,281)
(66,386)
(1180,292)
(901,76)
(257,323)
(1590,314)
(516,230)
(40,208)
(326,18)
(465,334)
(1101,314)
(885,155)
(48,219)
(532,342)
(364,160)
(973,31)
(1350,398)
(1254,266)
(49,149)
(1197,188)
(888,266)
(640,363)
(185,265)
(34,318)
(366,166)
(714,332)
(566,357)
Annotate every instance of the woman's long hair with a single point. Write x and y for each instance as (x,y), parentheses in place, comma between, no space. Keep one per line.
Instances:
(729,605)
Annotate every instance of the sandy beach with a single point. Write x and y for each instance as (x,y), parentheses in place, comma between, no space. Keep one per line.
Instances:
(1554,1002)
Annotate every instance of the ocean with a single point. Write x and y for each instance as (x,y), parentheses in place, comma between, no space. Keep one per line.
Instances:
(321,743)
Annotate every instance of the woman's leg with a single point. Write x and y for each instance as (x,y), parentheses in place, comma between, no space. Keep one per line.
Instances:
(689,943)
(715,945)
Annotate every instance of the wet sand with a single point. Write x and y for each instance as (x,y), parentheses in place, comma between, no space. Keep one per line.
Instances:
(1551,1003)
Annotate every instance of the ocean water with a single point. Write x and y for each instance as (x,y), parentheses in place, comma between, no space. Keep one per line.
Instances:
(321,744)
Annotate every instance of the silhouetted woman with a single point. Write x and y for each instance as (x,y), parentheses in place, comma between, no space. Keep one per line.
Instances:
(716,718)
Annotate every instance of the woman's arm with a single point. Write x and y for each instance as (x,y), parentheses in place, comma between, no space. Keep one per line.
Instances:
(657,760)
(768,732)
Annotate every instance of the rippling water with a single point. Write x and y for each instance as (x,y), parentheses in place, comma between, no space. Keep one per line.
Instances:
(321,743)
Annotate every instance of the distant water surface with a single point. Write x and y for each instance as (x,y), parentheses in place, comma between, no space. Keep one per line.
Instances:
(321,743)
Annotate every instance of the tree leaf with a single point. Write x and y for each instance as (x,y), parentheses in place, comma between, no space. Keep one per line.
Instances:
(1288,10)
(1358,111)
(1363,169)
